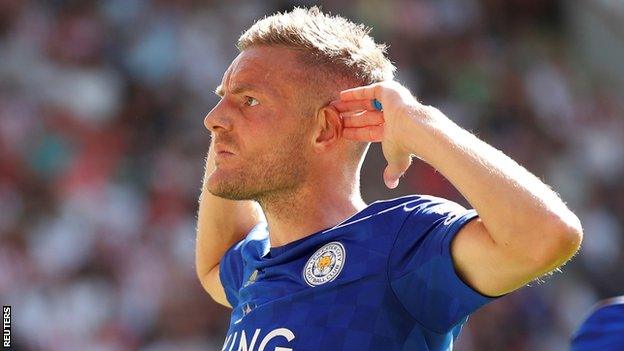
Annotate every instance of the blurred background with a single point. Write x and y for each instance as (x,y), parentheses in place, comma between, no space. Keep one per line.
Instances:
(102,149)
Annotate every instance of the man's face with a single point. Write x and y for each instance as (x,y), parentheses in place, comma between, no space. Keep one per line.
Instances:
(259,135)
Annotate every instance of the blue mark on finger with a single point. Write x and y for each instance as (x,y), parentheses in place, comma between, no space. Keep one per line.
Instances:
(377,105)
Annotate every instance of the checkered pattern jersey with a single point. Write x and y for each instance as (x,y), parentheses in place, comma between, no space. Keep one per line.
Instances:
(396,289)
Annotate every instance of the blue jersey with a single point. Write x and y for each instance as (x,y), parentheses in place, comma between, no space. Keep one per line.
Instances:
(381,280)
(603,330)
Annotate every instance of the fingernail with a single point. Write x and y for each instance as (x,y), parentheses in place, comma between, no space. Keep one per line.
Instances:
(393,184)
(377,105)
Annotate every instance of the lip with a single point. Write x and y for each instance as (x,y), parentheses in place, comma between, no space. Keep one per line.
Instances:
(222,156)
(221,149)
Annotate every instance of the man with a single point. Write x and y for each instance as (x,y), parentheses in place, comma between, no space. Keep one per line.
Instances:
(284,237)
(603,330)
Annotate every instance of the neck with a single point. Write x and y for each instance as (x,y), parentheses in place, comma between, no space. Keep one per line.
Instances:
(308,209)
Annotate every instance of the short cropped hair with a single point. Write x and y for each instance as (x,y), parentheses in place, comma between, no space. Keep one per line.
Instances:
(340,53)
(332,43)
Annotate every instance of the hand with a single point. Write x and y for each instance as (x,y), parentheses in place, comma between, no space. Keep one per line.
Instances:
(362,122)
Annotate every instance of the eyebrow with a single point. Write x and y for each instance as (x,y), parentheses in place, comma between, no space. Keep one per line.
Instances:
(219,90)
(238,89)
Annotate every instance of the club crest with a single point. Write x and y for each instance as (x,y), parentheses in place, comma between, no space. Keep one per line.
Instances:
(325,264)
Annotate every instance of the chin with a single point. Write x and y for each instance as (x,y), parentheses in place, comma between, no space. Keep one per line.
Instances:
(228,187)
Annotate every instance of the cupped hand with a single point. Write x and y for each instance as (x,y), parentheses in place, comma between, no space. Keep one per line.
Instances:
(363,122)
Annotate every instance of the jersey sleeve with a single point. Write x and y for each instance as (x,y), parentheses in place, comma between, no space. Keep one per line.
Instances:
(603,330)
(421,270)
(232,265)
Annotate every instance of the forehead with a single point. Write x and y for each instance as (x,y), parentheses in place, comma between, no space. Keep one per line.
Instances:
(268,68)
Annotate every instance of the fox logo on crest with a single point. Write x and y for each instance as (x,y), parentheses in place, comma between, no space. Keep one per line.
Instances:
(325,264)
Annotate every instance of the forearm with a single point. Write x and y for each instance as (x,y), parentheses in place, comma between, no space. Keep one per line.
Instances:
(220,223)
(524,229)
(516,208)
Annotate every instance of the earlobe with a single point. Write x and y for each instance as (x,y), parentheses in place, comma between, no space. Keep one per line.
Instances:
(329,127)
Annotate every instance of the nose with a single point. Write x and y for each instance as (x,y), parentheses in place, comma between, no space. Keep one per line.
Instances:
(217,120)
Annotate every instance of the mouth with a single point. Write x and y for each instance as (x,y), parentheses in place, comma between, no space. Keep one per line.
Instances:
(223,154)
(221,149)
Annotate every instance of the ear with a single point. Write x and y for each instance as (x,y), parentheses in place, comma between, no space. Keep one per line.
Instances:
(328,128)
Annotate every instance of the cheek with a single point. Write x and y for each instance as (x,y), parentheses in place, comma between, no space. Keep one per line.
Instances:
(270,139)
(293,148)
(275,150)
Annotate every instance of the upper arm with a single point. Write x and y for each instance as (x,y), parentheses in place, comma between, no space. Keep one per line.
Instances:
(211,282)
(490,268)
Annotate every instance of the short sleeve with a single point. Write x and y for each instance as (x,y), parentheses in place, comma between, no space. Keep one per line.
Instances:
(231,272)
(603,330)
(421,270)
(232,265)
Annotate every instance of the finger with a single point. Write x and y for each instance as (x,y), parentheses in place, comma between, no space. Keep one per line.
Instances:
(351,113)
(368,92)
(353,105)
(367,134)
(395,170)
(363,119)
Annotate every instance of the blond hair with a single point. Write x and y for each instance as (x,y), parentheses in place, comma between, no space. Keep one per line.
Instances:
(331,43)
(340,53)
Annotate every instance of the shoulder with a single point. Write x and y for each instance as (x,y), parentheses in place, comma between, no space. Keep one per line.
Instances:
(415,203)
(609,311)
(423,210)
(614,303)
(233,264)
(408,210)
(255,244)
(385,220)
(603,329)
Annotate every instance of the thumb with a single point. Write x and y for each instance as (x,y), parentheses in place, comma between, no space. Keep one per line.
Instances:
(395,170)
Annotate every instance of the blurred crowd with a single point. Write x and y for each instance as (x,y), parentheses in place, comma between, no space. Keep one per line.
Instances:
(102,149)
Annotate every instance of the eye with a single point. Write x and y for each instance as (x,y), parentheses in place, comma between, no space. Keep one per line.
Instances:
(249,101)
